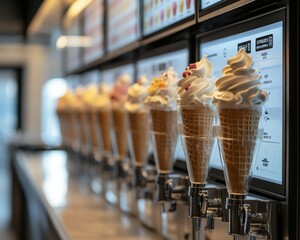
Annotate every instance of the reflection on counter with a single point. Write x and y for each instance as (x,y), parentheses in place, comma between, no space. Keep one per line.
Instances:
(79,214)
(55,184)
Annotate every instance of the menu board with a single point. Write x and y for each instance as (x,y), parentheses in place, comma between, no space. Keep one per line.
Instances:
(159,14)
(109,76)
(73,53)
(93,28)
(123,20)
(207,3)
(265,46)
(154,66)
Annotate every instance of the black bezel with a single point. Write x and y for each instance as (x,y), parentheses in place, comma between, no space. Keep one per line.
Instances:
(264,187)
(214,7)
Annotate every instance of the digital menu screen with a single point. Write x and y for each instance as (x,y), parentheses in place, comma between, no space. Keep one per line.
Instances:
(73,53)
(208,3)
(265,46)
(159,14)
(110,75)
(123,23)
(154,66)
(93,28)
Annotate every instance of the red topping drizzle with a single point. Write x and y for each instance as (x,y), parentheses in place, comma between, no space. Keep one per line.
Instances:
(192,66)
(187,86)
(187,71)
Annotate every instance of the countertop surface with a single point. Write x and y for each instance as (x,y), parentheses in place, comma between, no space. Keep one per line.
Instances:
(77,212)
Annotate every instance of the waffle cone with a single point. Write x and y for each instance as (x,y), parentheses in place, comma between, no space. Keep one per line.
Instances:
(165,136)
(63,123)
(198,133)
(104,121)
(92,121)
(139,131)
(81,123)
(239,132)
(73,130)
(119,116)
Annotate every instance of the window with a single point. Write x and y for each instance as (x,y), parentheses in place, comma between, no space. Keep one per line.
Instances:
(52,90)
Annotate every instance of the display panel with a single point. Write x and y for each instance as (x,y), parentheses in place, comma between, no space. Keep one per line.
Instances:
(160,14)
(110,75)
(266,46)
(208,3)
(154,66)
(123,23)
(93,28)
(73,53)
(216,7)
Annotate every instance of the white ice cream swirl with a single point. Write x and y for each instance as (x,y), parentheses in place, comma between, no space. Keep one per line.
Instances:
(240,83)
(163,91)
(137,93)
(198,85)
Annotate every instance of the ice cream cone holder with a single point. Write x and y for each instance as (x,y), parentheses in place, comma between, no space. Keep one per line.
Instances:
(127,191)
(108,182)
(149,212)
(174,206)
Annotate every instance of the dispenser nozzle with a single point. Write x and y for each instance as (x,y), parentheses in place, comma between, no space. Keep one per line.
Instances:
(239,216)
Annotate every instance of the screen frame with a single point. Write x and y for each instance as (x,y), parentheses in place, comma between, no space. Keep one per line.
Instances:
(170,29)
(214,7)
(277,191)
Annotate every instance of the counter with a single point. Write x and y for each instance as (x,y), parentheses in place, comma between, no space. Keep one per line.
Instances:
(50,204)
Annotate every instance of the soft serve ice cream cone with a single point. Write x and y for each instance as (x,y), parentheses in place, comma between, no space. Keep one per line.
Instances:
(239,100)
(66,106)
(162,102)
(102,107)
(62,114)
(138,120)
(81,120)
(88,98)
(197,113)
(118,97)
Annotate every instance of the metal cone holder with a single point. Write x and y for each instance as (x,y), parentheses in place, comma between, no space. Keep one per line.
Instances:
(143,178)
(196,131)
(85,153)
(107,161)
(171,188)
(254,217)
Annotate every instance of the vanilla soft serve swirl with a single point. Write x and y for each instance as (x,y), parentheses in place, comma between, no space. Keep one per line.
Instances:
(163,91)
(137,93)
(198,85)
(240,83)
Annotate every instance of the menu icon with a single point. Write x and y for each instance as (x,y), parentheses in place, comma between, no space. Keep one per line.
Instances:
(245,45)
(264,42)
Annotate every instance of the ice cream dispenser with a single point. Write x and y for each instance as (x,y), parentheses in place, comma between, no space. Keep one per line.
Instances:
(234,184)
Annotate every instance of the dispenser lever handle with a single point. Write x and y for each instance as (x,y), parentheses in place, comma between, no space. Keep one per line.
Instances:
(203,202)
(246,217)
